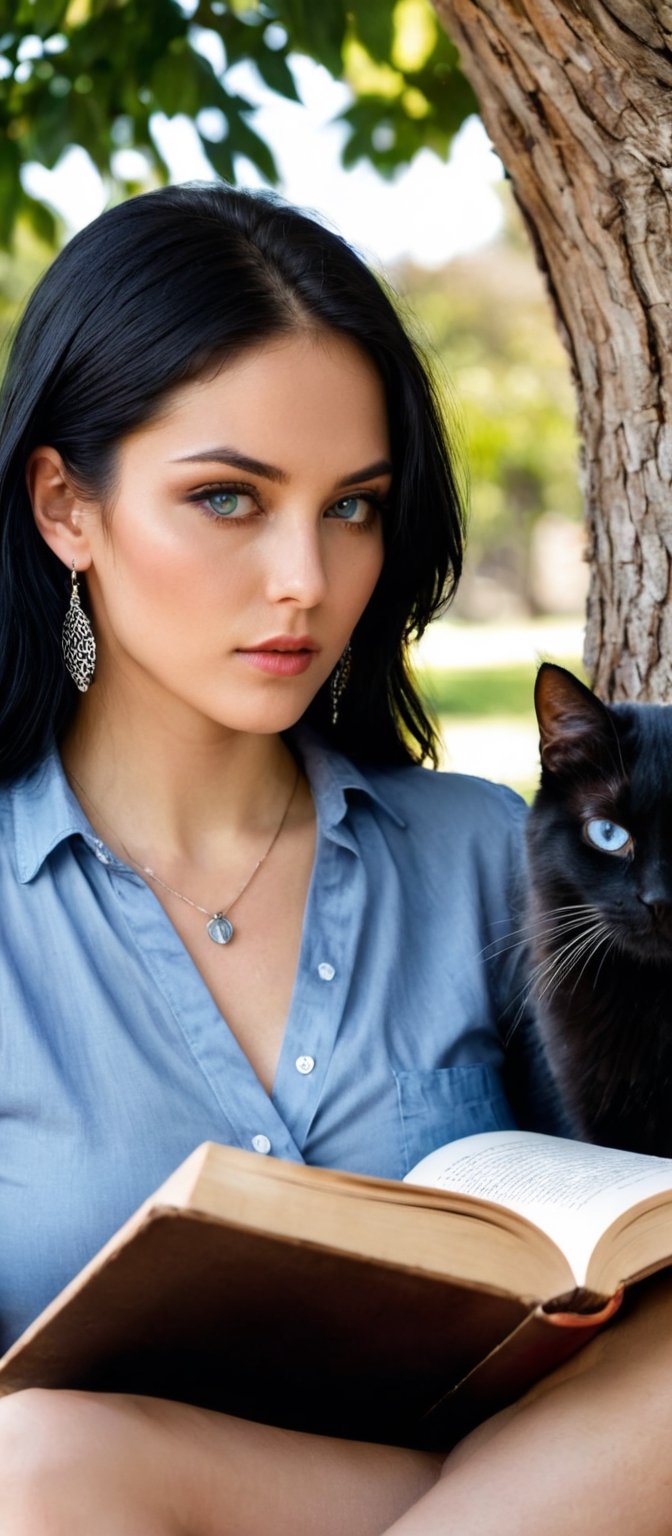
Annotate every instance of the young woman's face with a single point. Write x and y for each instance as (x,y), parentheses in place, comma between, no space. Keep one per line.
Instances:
(245,534)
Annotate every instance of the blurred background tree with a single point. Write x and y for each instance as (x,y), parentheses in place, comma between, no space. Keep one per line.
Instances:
(489,321)
(576,99)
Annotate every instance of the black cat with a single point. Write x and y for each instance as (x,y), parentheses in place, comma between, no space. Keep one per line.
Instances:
(600,856)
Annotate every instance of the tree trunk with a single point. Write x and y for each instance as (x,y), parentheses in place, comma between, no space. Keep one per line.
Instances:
(577,98)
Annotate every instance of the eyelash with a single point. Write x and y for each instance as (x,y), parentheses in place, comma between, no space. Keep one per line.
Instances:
(200,498)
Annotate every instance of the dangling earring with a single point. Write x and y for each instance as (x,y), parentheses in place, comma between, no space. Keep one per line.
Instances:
(339,681)
(77,640)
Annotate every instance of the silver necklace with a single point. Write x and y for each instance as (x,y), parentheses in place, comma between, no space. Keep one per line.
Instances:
(219,926)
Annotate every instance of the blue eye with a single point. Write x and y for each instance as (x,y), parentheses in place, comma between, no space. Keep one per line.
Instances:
(606,835)
(353,509)
(226,503)
(223,503)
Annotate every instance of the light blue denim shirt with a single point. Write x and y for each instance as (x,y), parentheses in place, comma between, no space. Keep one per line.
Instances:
(115,1062)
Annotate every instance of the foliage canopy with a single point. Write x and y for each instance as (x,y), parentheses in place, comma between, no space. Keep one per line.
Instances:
(95,73)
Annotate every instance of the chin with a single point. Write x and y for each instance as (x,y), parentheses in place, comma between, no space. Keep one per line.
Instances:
(271,720)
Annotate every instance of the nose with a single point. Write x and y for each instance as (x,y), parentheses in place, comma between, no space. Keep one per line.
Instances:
(656,895)
(659,910)
(295,564)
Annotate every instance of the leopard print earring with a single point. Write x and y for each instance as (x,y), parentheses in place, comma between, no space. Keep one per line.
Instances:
(339,681)
(77,640)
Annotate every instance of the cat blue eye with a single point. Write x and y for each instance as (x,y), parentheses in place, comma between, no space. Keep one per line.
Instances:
(606,835)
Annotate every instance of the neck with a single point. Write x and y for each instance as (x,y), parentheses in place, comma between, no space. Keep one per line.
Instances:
(175,789)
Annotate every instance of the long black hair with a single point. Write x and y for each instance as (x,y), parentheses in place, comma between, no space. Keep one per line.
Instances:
(148,296)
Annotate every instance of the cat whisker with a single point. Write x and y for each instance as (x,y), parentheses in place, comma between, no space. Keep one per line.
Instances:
(567,956)
(545,926)
(565,926)
(576,906)
(519,1015)
(550,970)
(584,928)
(603,939)
(558,965)
(614,941)
(545,969)
(583,950)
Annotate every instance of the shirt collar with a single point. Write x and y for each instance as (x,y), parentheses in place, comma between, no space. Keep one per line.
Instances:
(333,777)
(46,812)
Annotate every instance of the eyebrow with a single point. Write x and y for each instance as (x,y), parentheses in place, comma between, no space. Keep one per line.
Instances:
(237,460)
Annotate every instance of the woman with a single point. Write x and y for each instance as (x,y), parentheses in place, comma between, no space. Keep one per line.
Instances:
(227,505)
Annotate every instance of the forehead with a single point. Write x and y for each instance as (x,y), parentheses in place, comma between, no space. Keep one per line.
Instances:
(308,392)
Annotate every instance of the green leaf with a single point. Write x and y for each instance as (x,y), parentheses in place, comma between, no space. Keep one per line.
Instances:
(129,58)
(276,74)
(316,27)
(220,158)
(183,81)
(373,25)
(244,141)
(41,16)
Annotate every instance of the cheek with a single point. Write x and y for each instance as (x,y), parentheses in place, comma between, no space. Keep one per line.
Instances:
(156,564)
(155,588)
(360,575)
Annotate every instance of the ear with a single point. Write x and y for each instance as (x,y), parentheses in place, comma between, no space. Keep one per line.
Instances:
(575,728)
(58,508)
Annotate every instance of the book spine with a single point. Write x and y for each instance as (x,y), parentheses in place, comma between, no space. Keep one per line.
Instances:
(540,1344)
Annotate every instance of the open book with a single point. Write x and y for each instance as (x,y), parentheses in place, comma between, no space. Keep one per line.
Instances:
(355,1306)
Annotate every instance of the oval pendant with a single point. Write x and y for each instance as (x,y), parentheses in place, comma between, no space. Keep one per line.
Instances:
(220,929)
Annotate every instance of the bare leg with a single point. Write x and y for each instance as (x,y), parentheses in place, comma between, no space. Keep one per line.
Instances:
(73,1463)
(586,1453)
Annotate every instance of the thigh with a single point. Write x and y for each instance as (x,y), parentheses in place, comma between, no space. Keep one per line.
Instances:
(585,1453)
(117,1464)
(244,1479)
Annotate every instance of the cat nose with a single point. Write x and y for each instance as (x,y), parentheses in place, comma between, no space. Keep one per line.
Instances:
(658,901)
(660,911)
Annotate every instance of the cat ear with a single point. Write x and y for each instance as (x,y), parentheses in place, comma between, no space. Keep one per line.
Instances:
(575,728)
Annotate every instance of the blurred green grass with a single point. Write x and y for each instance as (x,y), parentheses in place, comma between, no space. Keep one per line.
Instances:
(476,692)
(471,698)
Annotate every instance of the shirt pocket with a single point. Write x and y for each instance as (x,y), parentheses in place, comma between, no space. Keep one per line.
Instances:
(449,1102)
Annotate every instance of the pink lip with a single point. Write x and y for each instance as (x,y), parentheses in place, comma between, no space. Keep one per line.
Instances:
(282,656)
(282,643)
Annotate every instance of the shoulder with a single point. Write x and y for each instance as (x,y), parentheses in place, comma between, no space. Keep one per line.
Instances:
(37,812)
(439,828)
(16,814)
(6,821)
(457,802)
(458,833)
(11,791)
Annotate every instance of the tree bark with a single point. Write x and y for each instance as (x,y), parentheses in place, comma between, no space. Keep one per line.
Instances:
(577,98)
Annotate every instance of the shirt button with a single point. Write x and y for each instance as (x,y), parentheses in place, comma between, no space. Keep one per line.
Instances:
(261,1144)
(102,853)
(325,971)
(304,1064)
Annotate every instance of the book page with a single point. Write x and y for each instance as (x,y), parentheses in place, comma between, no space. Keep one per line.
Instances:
(572,1190)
